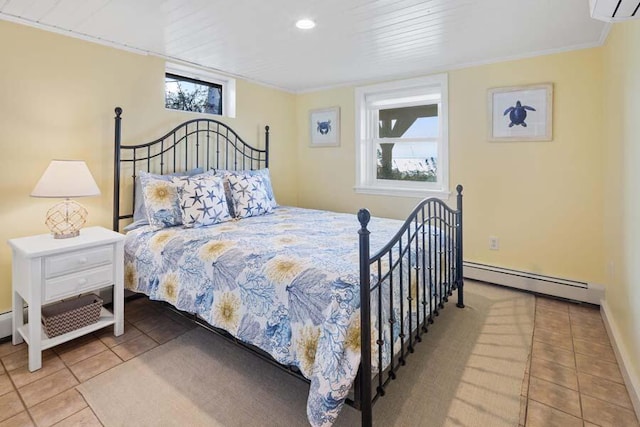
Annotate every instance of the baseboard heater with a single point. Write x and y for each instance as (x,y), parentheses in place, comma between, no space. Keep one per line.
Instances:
(554,286)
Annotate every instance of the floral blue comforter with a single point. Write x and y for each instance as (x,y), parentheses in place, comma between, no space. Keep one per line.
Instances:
(287,283)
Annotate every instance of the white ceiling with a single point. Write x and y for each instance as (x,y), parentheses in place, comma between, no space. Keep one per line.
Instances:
(354,41)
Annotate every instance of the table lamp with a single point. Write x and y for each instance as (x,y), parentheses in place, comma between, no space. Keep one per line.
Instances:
(66,179)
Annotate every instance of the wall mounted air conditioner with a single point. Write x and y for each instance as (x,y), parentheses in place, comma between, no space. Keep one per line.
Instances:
(614,10)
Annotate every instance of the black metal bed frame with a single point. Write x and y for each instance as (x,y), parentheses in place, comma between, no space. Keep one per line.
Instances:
(435,257)
(213,145)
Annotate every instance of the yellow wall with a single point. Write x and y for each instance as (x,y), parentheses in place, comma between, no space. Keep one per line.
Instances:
(57,96)
(621,154)
(543,200)
(566,208)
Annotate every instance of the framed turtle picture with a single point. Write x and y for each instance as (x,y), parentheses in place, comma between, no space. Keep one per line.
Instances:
(521,113)
(324,125)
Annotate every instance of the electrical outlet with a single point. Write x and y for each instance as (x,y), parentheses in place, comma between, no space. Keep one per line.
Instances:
(494,243)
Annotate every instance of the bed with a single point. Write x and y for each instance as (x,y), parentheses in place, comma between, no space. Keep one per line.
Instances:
(337,300)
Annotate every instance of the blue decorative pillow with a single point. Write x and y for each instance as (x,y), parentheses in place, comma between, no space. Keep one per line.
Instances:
(202,201)
(262,173)
(137,224)
(139,211)
(160,201)
(249,195)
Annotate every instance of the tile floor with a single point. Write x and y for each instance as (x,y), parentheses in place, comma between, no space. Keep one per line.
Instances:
(48,397)
(573,378)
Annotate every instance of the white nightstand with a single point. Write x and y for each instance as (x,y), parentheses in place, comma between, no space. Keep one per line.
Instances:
(46,270)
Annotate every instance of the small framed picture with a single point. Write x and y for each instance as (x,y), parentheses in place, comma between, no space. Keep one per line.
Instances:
(324,125)
(521,113)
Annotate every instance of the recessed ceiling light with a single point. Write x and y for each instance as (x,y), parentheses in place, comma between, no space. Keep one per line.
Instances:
(305,24)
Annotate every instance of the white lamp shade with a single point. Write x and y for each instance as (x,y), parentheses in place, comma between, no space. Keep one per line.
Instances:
(66,178)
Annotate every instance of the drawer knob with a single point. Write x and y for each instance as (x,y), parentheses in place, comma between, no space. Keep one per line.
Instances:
(82,260)
(82,281)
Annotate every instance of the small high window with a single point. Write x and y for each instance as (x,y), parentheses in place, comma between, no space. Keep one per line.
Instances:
(187,88)
(186,94)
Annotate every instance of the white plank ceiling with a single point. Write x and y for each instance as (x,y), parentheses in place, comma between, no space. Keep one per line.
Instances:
(354,41)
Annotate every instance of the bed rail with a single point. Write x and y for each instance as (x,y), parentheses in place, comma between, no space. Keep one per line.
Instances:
(407,283)
(197,143)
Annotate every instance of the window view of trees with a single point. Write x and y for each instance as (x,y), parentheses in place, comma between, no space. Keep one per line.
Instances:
(182,93)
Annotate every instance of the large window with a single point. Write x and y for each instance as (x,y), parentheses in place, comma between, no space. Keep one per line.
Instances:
(402,141)
(197,90)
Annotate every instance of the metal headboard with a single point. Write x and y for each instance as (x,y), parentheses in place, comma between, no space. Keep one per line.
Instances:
(197,143)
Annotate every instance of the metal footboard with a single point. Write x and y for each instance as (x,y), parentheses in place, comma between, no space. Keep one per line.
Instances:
(402,289)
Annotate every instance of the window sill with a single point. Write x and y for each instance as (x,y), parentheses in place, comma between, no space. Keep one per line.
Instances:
(403,192)
(197,113)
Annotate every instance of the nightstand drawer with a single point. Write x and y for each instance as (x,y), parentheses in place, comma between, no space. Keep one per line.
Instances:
(77,283)
(79,260)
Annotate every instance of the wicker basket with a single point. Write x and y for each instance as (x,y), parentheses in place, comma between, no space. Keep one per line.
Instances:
(69,315)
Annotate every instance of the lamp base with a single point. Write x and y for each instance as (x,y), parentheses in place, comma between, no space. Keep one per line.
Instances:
(65,219)
(66,235)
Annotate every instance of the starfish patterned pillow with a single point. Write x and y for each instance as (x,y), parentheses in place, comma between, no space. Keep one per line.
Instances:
(263,173)
(202,201)
(249,195)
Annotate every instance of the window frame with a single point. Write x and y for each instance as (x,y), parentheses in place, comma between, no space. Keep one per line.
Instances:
(227,83)
(366,119)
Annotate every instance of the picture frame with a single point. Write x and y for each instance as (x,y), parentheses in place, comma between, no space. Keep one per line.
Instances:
(324,127)
(521,113)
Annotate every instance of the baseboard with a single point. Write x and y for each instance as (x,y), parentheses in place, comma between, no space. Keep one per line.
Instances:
(5,324)
(563,288)
(622,355)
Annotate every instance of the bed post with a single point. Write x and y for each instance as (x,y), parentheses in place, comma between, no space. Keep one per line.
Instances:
(365,320)
(116,172)
(266,146)
(459,260)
